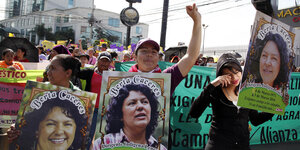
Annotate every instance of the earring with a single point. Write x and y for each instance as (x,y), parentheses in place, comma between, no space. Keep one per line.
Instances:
(36,134)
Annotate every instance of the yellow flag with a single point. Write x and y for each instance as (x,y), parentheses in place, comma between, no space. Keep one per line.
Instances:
(61,43)
(11,35)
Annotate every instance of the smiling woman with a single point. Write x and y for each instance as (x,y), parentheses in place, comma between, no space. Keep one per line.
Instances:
(59,125)
(271,56)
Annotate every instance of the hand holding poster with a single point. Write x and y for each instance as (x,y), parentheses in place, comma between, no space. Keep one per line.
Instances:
(52,117)
(135,111)
(268,65)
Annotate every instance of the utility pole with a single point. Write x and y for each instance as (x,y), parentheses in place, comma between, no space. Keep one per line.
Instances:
(91,22)
(204,27)
(128,30)
(164,24)
(129,16)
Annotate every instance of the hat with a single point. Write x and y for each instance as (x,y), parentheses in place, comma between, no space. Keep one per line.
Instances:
(84,55)
(225,59)
(61,49)
(104,45)
(104,55)
(147,40)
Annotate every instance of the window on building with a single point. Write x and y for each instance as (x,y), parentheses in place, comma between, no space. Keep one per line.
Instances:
(57,29)
(43,19)
(50,19)
(83,29)
(66,28)
(138,30)
(58,19)
(22,32)
(66,19)
(114,22)
(71,4)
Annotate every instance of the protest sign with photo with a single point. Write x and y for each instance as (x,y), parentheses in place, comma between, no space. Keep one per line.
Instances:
(133,111)
(269,61)
(53,117)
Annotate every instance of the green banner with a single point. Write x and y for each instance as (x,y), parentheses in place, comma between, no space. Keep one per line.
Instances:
(19,76)
(190,133)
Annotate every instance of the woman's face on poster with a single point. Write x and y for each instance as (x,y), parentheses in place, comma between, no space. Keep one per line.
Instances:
(56,131)
(269,65)
(136,110)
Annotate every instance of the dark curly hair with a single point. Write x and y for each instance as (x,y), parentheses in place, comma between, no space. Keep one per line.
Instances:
(114,114)
(27,139)
(251,68)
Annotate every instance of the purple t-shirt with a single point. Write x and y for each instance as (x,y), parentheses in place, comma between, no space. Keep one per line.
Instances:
(176,76)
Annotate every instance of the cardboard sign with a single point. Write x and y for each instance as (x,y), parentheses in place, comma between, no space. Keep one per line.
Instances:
(52,117)
(268,65)
(133,104)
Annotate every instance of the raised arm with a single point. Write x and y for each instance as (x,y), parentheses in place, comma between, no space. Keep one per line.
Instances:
(80,47)
(188,60)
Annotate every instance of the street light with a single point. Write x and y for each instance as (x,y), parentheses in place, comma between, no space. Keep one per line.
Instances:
(204,27)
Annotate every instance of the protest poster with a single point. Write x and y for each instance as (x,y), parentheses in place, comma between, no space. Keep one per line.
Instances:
(268,65)
(12,84)
(53,117)
(133,111)
(190,133)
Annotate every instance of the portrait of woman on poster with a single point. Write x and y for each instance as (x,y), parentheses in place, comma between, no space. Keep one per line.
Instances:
(271,56)
(229,128)
(132,116)
(56,125)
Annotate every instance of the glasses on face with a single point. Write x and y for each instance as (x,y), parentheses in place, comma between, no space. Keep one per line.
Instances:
(145,51)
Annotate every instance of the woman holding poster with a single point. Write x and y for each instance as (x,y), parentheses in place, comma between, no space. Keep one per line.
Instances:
(229,128)
(61,70)
(132,117)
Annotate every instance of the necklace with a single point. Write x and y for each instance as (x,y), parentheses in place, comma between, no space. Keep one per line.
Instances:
(229,95)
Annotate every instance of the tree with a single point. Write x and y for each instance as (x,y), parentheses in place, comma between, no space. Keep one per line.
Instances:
(65,35)
(101,35)
(40,30)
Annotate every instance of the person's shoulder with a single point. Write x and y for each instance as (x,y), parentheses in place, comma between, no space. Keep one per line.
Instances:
(171,69)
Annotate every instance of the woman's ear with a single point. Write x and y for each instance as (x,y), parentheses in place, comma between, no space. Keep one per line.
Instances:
(69,73)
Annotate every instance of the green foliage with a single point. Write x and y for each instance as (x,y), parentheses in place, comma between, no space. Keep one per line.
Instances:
(65,35)
(97,42)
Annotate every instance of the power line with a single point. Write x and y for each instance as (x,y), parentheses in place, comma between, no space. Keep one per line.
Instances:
(183,8)
(153,21)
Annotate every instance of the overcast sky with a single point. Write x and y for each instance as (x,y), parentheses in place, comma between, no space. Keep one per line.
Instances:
(229,21)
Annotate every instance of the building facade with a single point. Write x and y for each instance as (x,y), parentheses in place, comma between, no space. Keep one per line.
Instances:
(68,14)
